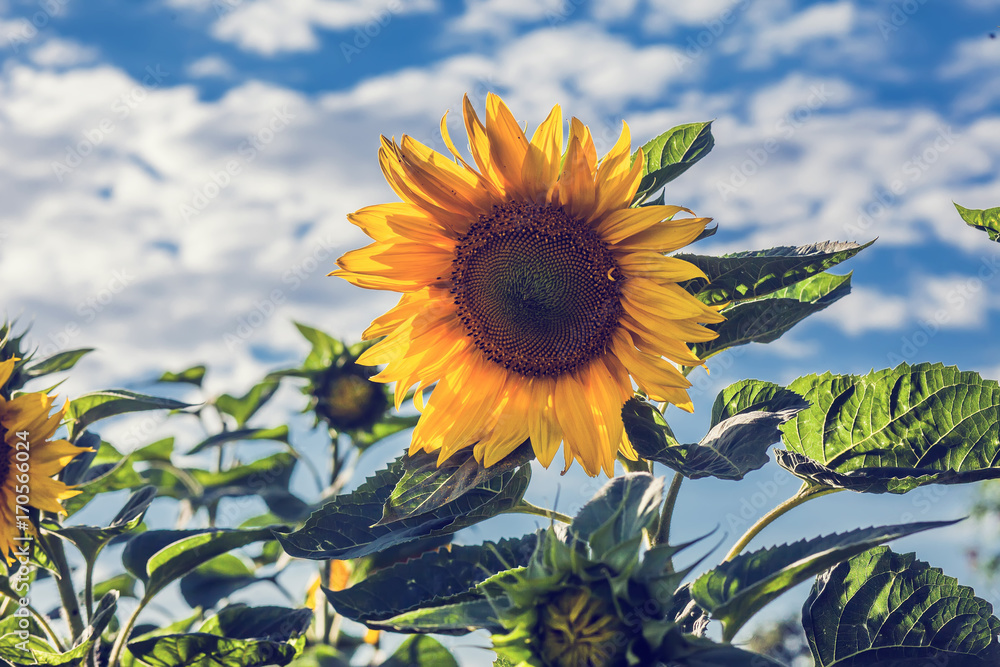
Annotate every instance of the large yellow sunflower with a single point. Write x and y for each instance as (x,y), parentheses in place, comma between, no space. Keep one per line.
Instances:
(531,291)
(28,460)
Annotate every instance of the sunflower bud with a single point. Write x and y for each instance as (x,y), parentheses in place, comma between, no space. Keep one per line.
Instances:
(576,628)
(347,400)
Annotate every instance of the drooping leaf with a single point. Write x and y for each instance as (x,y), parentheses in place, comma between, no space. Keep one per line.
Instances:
(421,651)
(425,486)
(344,527)
(194,375)
(766,319)
(987,220)
(737,589)
(893,430)
(619,512)
(751,395)
(883,608)
(436,578)
(97,405)
(242,408)
(158,557)
(90,540)
(277,434)
(755,273)
(61,361)
(671,154)
(731,449)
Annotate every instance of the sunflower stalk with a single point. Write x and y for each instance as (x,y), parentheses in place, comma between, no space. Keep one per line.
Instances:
(524,507)
(64,583)
(667,514)
(806,492)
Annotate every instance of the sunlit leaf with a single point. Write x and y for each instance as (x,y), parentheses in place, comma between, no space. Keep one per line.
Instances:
(987,220)
(89,408)
(671,154)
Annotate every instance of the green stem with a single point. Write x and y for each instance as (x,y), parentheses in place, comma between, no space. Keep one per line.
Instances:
(46,628)
(524,507)
(116,651)
(663,531)
(806,492)
(88,590)
(64,582)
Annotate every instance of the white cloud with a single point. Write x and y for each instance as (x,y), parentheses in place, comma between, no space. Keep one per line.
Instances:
(866,309)
(668,15)
(210,67)
(500,17)
(55,52)
(975,61)
(269,27)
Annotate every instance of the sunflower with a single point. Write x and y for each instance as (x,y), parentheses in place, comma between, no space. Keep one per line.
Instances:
(28,460)
(531,292)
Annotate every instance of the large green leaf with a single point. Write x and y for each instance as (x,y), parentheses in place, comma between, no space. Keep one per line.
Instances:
(107,471)
(242,408)
(618,513)
(240,621)
(733,447)
(671,154)
(22,651)
(751,395)
(425,486)
(97,405)
(436,578)
(199,649)
(345,527)
(158,557)
(210,582)
(737,589)
(62,361)
(882,608)
(755,273)
(262,477)
(91,539)
(277,434)
(421,651)
(766,319)
(895,429)
(987,220)
(458,618)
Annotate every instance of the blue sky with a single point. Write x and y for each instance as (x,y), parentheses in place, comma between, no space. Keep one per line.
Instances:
(176,173)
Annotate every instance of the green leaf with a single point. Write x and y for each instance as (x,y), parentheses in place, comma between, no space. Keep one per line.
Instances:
(737,589)
(277,434)
(421,651)
(207,650)
(33,650)
(619,512)
(671,154)
(261,477)
(158,557)
(97,405)
(62,361)
(425,486)
(344,527)
(244,407)
(90,540)
(767,319)
(211,582)
(123,583)
(755,273)
(750,395)
(194,375)
(883,608)
(987,220)
(325,348)
(893,430)
(458,618)
(731,449)
(110,471)
(436,578)
(161,450)
(240,621)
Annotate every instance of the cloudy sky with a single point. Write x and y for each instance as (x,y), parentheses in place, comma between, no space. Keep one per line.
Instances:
(175,173)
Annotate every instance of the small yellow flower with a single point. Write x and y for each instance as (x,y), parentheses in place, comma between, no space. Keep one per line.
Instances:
(533,295)
(29,460)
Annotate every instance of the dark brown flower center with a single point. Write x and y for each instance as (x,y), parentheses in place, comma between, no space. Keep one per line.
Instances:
(537,290)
